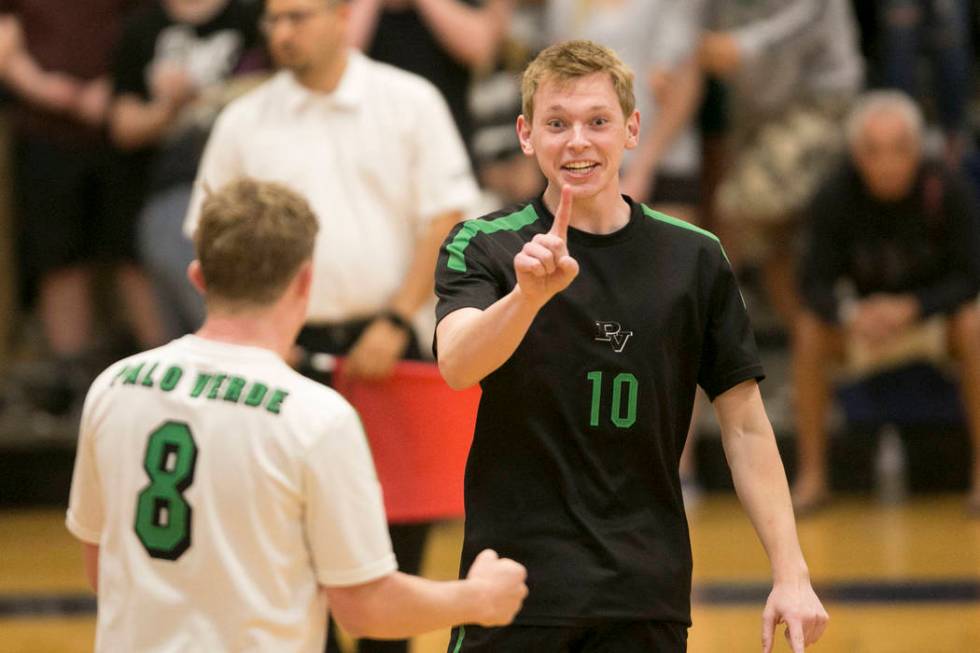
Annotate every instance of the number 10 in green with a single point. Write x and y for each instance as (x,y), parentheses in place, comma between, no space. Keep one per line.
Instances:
(616,409)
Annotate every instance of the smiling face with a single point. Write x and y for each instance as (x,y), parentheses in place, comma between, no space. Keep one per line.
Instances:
(578,134)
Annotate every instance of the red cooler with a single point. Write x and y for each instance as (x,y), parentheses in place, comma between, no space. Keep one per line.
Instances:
(420,431)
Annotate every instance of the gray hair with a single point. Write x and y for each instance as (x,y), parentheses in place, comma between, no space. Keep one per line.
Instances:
(875,102)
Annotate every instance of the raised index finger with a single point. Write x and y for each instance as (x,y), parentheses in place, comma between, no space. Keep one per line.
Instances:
(560,226)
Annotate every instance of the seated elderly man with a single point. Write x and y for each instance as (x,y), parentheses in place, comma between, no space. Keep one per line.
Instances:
(892,250)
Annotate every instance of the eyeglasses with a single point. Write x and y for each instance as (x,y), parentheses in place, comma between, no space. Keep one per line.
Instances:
(294,19)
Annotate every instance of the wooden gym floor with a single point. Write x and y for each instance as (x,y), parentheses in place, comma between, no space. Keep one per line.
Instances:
(902,579)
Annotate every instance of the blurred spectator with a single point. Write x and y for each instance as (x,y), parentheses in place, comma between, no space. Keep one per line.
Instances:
(506,175)
(179,62)
(792,67)
(940,29)
(444,41)
(375,151)
(72,211)
(657,40)
(892,244)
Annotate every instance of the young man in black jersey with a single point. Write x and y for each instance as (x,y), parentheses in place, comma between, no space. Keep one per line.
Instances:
(589,320)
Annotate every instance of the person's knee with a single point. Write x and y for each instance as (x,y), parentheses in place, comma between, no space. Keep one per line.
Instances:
(965,331)
(810,333)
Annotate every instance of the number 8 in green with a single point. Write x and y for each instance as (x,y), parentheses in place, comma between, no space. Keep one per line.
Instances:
(163,516)
(616,412)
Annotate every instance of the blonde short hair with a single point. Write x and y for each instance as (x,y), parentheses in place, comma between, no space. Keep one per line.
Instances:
(252,239)
(570,60)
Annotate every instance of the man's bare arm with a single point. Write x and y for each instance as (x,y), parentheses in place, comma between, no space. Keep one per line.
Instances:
(760,482)
(90,556)
(678,102)
(469,34)
(382,344)
(400,605)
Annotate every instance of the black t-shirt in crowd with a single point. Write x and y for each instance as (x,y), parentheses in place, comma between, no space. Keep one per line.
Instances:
(213,52)
(573,469)
(925,244)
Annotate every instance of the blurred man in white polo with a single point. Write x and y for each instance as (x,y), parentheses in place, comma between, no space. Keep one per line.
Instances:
(376,152)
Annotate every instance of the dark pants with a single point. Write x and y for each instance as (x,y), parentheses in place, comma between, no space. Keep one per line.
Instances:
(606,637)
(940,28)
(74,207)
(407,540)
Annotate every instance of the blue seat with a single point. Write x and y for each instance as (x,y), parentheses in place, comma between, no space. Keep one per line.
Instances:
(923,403)
(917,394)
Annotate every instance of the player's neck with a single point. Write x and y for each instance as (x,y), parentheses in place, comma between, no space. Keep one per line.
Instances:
(603,213)
(252,330)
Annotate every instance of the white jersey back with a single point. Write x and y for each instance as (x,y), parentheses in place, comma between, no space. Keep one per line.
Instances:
(223,489)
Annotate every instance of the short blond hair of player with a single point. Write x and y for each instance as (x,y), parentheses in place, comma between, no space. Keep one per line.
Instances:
(572,60)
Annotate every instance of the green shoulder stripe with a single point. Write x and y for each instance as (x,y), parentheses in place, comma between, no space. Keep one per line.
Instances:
(470,228)
(663,217)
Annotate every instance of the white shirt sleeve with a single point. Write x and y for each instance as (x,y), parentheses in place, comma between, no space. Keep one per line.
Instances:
(443,178)
(220,163)
(345,518)
(85,510)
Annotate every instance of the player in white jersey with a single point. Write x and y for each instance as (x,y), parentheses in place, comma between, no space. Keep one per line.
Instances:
(224,500)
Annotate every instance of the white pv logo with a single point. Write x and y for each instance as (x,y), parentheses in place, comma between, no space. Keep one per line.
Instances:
(613,333)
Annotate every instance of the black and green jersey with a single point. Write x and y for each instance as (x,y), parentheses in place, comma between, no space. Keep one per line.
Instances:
(573,469)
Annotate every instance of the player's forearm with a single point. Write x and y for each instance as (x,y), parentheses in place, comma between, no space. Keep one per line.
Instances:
(474,343)
(676,112)
(134,123)
(417,286)
(759,477)
(33,84)
(402,606)
(760,482)
(469,34)
(90,556)
(363,22)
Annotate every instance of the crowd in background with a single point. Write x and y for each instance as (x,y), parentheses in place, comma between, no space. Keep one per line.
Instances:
(748,128)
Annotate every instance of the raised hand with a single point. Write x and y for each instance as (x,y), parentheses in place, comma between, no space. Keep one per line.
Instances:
(543,266)
(502,583)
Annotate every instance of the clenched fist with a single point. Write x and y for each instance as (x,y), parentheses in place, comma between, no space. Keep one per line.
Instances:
(502,584)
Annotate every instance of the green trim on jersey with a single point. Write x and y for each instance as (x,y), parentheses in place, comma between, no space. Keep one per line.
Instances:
(512,222)
(663,217)
(459,642)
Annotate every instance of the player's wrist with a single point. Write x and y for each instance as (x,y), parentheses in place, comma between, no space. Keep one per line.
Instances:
(529,301)
(794,573)
(397,320)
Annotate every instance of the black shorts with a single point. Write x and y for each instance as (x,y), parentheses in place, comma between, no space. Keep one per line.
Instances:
(74,205)
(608,637)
